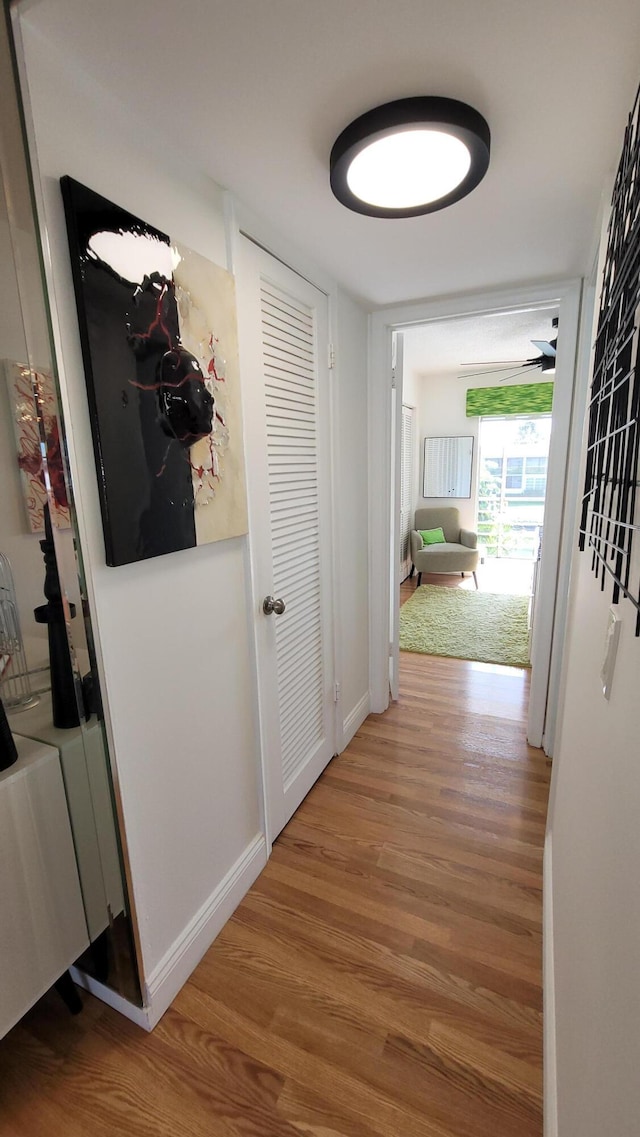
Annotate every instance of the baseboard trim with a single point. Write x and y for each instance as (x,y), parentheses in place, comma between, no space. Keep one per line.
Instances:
(354,721)
(138,1015)
(184,955)
(549,998)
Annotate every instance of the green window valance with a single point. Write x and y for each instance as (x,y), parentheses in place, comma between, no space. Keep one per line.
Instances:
(522,399)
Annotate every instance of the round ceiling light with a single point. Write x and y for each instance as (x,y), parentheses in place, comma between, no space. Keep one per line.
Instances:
(410,157)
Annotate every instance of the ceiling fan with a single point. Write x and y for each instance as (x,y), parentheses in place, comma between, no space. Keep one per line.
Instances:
(545,361)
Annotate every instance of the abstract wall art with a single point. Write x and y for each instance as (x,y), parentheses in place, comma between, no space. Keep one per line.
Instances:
(160,352)
(34,415)
(609,519)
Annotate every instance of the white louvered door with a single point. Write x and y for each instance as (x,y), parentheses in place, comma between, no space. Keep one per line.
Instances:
(284,323)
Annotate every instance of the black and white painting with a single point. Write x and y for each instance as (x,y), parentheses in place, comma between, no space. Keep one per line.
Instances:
(159,340)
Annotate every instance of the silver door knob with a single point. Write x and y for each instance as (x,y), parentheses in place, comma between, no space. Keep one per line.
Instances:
(271,605)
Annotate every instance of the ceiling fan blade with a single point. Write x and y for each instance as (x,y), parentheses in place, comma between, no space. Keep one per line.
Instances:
(497,370)
(546,347)
(495,363)
(525,371)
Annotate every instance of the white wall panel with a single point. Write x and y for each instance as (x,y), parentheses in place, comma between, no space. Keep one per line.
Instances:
(172,631)
(42,922)
(352,503)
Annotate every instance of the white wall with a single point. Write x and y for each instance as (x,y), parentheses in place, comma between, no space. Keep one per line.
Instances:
(172,631)
(16,542)
(12,344)
(411,383)
(412,397)
(441,402)
(24,338)
(592,861)
(595,841)
(441,412)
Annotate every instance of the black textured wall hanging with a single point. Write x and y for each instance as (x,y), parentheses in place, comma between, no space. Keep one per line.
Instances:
(608,522)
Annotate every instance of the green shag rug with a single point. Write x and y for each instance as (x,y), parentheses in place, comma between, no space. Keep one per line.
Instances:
(485,626)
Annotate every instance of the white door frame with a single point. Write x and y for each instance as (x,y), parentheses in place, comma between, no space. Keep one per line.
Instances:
(241,222)
(407,562)
(563,456)
(394,508)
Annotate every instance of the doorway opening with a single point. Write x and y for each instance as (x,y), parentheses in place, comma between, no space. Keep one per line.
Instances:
(472,497)
(493,312)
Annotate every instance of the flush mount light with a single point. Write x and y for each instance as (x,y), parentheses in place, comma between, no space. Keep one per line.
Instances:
(410,157)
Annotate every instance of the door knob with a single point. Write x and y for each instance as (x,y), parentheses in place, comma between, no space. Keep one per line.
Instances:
(271,605)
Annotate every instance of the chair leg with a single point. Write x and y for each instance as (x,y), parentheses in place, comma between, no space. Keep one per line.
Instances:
(462,575)
(413,569)
(418,580)
(475,579)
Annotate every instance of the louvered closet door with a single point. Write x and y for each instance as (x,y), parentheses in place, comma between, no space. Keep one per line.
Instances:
(289,489)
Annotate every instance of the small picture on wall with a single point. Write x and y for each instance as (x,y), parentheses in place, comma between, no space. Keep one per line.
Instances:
(160,349)
(447,467)
(34,416)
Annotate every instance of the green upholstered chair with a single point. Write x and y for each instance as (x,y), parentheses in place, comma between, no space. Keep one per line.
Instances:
(459,553)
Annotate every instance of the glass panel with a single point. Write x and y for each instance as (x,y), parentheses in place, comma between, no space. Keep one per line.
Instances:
(536,465)
(513,479)
(49,680)
(493,467)
(512,485)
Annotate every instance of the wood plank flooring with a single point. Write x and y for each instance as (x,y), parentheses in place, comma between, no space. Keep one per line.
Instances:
(381,979)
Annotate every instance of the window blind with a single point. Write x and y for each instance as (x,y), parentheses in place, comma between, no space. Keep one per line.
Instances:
(522,399)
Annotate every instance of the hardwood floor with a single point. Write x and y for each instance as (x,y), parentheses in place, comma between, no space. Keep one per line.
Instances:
(381,979)
(446,579)
(494,575)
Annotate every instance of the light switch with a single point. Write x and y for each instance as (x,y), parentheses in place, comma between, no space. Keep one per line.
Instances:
(610,650)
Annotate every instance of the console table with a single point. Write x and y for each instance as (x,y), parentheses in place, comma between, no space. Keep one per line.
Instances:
(84,768)
(42,921)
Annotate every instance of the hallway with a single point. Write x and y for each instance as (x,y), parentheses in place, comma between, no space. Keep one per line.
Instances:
(381,979)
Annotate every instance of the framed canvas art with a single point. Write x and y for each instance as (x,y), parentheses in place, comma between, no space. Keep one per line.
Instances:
(160,351)
(34,415)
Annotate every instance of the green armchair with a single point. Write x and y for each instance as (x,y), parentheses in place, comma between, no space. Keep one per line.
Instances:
(459,553)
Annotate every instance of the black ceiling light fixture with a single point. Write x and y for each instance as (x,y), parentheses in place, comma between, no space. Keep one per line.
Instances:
(410,157)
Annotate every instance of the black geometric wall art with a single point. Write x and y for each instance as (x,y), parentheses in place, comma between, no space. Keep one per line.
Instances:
(159,342)
(609,518)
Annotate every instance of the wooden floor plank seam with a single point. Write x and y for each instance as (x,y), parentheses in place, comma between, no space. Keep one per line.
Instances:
(382,978)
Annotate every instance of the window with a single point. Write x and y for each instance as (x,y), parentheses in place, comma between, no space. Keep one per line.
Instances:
(512,484)
(513,480)
(536,465)
(493,468)
(535,482)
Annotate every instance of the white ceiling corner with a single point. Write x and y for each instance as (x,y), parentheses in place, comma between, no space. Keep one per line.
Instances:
(257,92)
(439,348)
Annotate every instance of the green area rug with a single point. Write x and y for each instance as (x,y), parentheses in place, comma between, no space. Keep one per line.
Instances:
(486,626)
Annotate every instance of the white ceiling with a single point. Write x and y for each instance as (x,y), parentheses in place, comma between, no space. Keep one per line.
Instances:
(440,347)
(255,92)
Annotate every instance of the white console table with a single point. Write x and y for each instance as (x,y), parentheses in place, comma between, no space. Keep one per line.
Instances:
(42,921)
(84,768)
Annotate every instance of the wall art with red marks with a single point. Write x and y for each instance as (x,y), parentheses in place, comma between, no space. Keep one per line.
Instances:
(35,427)
(160,350)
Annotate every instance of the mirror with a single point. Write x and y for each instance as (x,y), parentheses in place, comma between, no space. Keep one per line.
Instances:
(48,678)
(447,467)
